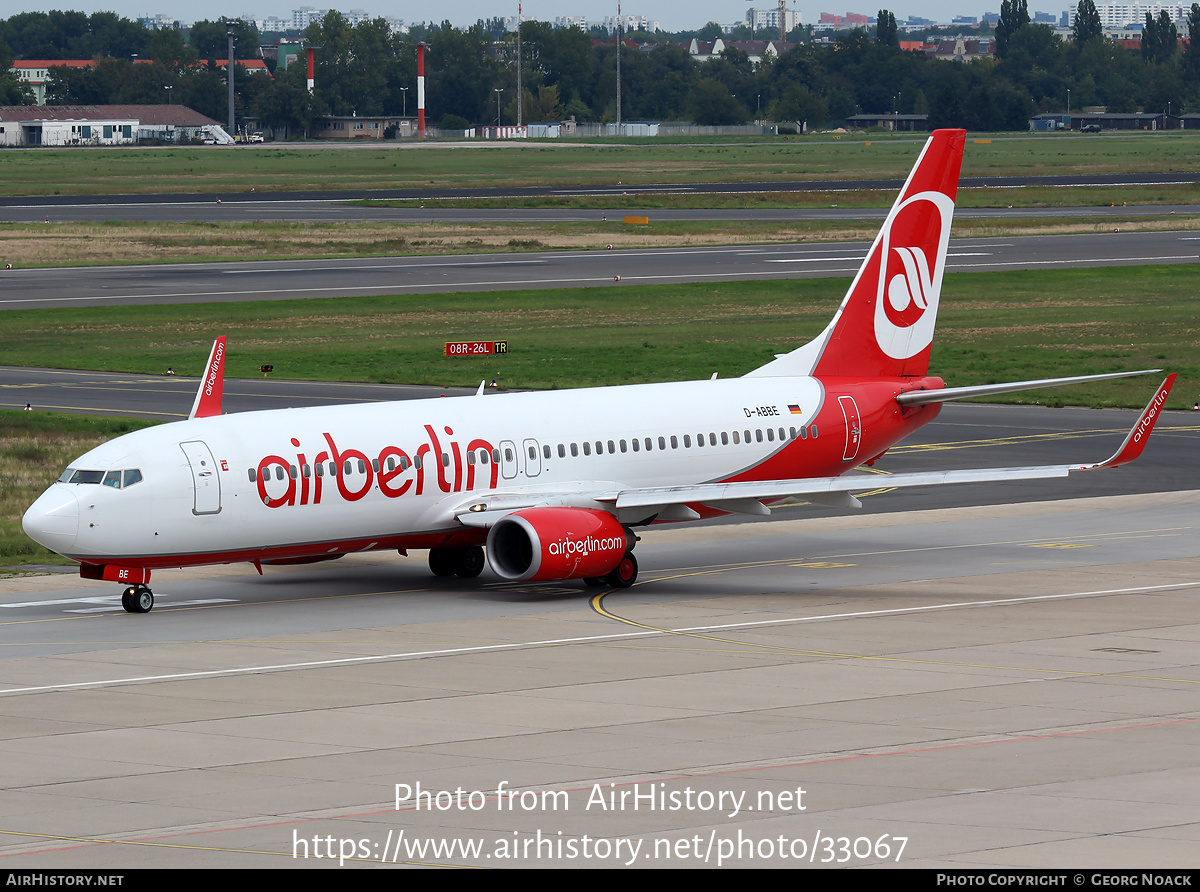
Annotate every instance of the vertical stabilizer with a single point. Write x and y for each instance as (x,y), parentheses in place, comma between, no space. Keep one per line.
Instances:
(884,327)
(212,385)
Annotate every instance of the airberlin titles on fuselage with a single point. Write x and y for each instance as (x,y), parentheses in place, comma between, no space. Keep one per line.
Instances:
(394,470)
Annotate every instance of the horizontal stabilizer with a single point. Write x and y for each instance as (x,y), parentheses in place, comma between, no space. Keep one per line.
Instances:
(946,394)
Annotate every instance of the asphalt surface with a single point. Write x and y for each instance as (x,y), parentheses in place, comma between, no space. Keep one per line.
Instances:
(1009,687)
(282,280)
(615,188)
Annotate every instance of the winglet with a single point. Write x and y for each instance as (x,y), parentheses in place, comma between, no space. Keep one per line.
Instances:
(1135,442)
(212,385)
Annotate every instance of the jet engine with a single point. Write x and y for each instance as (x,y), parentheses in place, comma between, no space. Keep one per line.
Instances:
(546,544)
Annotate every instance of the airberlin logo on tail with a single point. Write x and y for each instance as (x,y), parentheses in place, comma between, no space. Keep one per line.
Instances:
(912,260)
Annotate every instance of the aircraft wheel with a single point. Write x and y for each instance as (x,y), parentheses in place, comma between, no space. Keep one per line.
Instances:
(442,561)
(138,599)
(624,574)
(469,561)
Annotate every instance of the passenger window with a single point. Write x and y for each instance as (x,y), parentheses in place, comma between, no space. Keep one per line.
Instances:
(599,447)
(649,445)
(758,436)
(445,460)
(803,433)
(662,443)
(374,465)
(812,431)
(771,434)
(674,442)
(483,456)
(587,448)
(574,450)
(736,439)
(636,443)
(391,465)
(724,438)
(417,461)
(306,471)
(293,471)
(471,457)
(362,466)
(623,449)
(253,476)
(347,468)
(508,455)
(562,451)
(279,472)
(113,479)
(321,469)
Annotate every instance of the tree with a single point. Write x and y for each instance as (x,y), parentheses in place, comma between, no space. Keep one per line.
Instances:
(1014,15)
(711,103)
(1087,23)
(1160,38)
(1191,59)
(886,30)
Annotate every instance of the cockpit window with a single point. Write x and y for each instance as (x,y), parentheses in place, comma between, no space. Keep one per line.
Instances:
(115,479)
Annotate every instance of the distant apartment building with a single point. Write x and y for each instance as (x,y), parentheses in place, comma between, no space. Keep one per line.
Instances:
(830,22)
(769,18)
(1119,16)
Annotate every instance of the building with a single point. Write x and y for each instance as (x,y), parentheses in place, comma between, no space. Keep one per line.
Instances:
(361,126)
(103,125)
(889,121)
(769,18)
(36,73)
(757,50)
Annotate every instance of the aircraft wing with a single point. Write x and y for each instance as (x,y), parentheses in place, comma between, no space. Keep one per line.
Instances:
(671,502)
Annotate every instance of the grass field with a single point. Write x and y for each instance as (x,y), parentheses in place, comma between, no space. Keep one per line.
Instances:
(467,163)
(992,327)
(114,242)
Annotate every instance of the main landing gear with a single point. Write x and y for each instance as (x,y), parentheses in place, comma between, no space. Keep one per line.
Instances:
(137,599)
(466,561)
(623,575)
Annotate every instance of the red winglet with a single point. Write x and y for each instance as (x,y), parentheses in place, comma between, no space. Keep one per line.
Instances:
(1135,442)
(212,385)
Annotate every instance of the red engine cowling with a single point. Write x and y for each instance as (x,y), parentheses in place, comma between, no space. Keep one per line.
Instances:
(546,544)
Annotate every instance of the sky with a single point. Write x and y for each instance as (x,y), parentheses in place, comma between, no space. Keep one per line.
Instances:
(672,16)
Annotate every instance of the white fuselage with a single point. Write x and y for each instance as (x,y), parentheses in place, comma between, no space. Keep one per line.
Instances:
(296,483)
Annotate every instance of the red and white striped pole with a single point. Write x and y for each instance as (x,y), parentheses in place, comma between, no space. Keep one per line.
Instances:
(312,68)
(420,91)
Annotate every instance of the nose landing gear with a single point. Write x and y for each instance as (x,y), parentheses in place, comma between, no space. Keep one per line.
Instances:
(137,599)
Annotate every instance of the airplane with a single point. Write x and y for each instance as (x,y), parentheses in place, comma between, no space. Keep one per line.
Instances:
(545,486)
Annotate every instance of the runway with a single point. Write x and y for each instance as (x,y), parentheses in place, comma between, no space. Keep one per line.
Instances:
(281,280)
(1011,686)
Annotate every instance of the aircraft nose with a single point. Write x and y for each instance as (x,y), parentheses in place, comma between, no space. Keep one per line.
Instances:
(53,520)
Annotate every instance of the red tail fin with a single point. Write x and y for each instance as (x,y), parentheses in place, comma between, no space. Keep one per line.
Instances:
(212,385)
(884,327)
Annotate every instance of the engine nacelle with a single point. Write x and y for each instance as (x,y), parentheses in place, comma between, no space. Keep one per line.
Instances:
(546,544)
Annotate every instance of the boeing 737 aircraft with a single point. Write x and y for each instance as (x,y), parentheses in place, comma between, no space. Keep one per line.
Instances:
(553,484)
